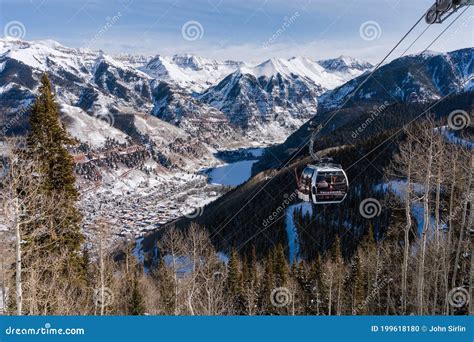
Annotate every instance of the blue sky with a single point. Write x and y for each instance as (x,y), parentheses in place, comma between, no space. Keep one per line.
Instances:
(249,30)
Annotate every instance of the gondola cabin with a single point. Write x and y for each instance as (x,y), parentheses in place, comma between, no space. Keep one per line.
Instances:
(323,184)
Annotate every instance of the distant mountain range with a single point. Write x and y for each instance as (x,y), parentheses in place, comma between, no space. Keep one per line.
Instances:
(262,103)
(211,104)
(415,78)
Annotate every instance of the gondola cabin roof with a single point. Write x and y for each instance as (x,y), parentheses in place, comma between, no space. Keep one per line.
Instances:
(325,167)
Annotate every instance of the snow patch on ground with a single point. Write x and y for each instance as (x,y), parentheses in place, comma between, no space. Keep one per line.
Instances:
(291,230)
(89,129)
(223,257)
(452,138)
(399,188)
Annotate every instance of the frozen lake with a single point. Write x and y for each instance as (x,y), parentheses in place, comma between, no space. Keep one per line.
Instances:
(232,174)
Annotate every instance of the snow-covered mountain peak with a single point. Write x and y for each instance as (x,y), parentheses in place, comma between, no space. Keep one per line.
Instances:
(42,54)
(189,61)
(189,71)
(295,67)
(109,60)
(430,54)
(345,64)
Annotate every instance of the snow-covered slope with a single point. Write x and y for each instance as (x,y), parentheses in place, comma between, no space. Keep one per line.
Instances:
(224,104)
(188,71)
(415,78)
(176,106)
(89,129)
(274,98)
(88,79)
(345,67)
(242,103)
(301,67)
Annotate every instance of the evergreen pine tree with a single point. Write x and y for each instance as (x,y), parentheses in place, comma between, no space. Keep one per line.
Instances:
(47,143)
(53,235)
(281,266)
(318,288)
(136,305)
(253,267)
(166,285)
(234,281)
(336,255)
(359,286)
(268,285)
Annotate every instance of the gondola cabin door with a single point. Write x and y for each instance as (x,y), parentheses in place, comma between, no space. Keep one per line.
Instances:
(323,184)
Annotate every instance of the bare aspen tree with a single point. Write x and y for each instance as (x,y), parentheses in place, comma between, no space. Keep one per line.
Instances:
(5,259)
(451,214)
(22,191)
(425,141)
(172,245)
(464,217)
(439,162)
(103,230)
(402,167)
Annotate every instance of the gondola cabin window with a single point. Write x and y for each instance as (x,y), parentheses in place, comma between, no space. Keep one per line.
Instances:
(306,179)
